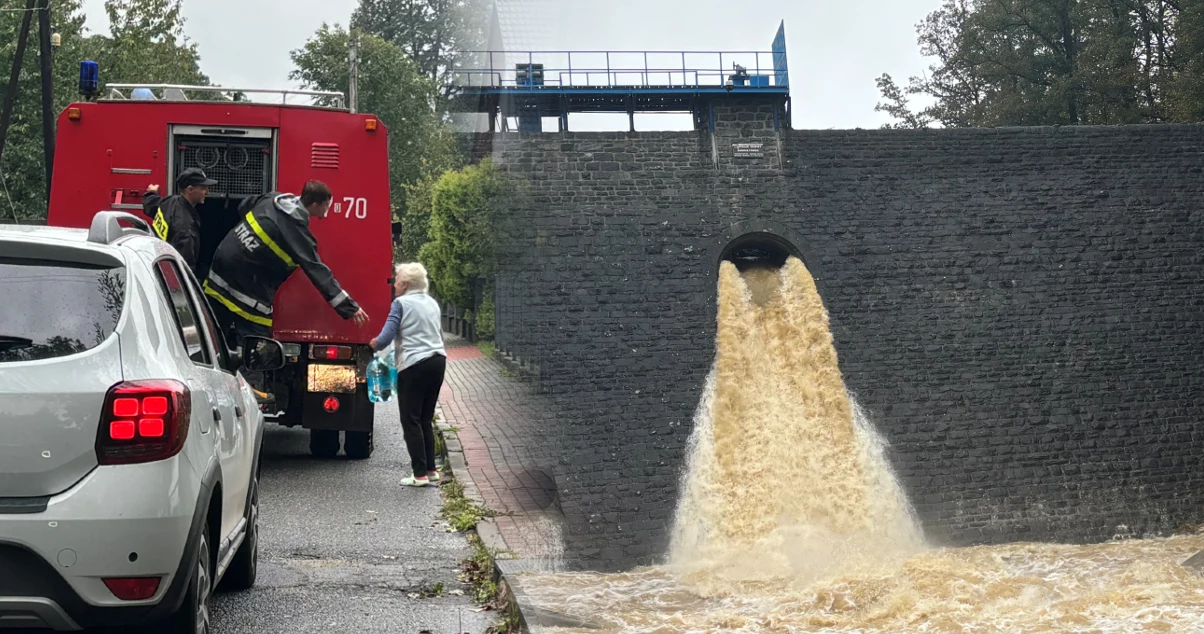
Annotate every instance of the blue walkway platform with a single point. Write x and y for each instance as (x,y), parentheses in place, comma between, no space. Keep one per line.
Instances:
(532,85)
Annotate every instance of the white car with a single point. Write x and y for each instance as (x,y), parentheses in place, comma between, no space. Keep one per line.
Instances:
(129,444)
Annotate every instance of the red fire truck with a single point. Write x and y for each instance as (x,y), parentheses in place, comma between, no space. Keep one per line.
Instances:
(109,150)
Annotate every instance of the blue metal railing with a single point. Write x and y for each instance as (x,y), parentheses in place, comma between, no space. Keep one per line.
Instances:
(540,70)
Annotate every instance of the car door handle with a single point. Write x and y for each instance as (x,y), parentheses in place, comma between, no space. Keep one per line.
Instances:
(238,413)
(217,415)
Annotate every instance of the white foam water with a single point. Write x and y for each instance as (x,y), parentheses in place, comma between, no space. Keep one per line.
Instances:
(791,520)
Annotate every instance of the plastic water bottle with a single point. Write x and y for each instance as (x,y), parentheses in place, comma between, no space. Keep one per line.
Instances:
(380,381)
(390,361)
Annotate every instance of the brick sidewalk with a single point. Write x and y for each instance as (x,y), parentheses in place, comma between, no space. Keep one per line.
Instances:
(500,431)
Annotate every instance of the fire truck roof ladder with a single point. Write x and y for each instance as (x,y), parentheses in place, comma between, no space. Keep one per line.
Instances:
(173,92)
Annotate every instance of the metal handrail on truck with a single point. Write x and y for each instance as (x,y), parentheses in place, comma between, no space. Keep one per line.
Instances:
(177,93)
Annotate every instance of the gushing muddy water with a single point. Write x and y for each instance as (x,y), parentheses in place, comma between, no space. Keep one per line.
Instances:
(791,520)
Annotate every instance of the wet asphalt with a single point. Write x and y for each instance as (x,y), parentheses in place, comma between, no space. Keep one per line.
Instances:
(344,548)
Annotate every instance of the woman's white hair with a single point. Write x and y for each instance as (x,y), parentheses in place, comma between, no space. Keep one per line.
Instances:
(412,273)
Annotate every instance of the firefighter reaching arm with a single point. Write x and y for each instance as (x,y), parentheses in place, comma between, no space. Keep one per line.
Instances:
(267,246)
(175,219)
(301,244)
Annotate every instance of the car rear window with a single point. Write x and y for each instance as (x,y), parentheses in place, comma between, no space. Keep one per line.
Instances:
(55,309)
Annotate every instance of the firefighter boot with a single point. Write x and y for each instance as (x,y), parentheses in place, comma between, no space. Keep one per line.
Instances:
(263,397)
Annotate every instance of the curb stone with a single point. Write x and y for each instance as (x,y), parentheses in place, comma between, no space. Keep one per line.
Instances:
(487,529)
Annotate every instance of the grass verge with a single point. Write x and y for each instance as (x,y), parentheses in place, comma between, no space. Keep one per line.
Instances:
(460,512)
(487,348)
(477,571)
(440,447)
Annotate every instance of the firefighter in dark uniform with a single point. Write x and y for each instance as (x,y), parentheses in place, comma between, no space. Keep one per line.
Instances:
(270,242)
(175,218)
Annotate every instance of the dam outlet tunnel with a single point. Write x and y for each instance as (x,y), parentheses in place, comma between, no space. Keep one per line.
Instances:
(759,249)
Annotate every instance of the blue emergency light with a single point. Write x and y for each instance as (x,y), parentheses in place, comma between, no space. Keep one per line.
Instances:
(89,79)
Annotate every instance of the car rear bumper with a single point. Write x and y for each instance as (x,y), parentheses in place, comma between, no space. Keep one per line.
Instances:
(118,522)
(34,613)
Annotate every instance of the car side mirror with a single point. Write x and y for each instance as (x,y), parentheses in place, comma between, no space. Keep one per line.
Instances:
(260,354)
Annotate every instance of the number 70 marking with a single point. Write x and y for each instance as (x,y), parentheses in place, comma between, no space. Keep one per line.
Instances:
(356,206)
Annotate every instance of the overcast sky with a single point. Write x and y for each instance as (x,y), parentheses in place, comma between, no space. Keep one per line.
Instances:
(246,43)
(837,47)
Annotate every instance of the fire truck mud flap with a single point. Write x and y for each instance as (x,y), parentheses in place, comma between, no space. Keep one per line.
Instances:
(338,410)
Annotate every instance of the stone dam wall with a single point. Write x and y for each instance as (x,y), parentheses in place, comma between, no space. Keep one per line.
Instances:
(1018,310)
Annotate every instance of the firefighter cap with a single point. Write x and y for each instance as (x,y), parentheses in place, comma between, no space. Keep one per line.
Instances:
(194,176)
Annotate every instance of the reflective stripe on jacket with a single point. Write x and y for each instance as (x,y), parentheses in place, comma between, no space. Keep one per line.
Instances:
(177,223)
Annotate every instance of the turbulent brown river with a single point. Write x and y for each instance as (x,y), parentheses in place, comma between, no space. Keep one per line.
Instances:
(791,520)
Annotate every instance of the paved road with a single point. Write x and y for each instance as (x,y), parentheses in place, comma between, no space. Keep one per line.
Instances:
(342,546)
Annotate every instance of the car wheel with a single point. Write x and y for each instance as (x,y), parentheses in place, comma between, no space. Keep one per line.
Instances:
(245,567)
(359,445)
(193,616)
(324,443)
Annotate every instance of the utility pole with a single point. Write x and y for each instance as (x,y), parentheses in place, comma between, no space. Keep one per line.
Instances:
(14,81)
(353,95)
(47,91)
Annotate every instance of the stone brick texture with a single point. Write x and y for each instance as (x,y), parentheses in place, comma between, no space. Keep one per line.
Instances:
(1017,309)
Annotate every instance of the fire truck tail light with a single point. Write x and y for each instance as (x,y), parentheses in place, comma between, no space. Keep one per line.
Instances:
(370,125)
(331,353)
(74,114)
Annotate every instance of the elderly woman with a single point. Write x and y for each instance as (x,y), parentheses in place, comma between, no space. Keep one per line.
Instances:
(415,328)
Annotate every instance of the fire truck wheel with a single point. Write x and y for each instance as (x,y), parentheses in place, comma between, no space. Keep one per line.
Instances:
(324,443)
(359,445)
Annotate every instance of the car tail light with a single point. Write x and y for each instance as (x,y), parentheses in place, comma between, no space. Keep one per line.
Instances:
(123,430)
(330,353)
(143,421)
(133,588)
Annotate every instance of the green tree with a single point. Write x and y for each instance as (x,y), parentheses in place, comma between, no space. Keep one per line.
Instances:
(22,176)
(897,104)
(486,319)
(1047,62)
(145,44)
(1185,38)
(460,253)
(392,87)
(429,31)
(416,218)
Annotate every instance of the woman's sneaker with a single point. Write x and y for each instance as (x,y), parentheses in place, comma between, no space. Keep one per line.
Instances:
(411,481)
(433,476)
